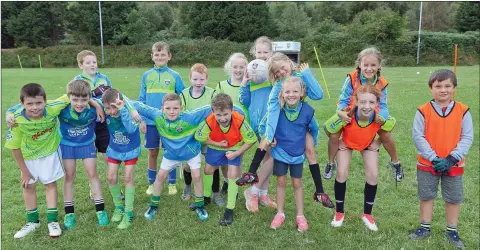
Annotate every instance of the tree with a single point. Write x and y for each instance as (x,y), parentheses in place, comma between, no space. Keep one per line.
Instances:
(35,24)
(468,16)
(137,30)
(436,16)
(292,21)
(234,21)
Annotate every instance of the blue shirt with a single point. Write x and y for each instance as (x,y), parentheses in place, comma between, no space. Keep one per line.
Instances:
(253,96)
(124,141)
(77,129)
(155,84)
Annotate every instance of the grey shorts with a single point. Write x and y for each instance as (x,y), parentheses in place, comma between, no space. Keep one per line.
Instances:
(281,169)
(452,187)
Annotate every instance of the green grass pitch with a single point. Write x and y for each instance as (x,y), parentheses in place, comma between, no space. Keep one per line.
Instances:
(396,209)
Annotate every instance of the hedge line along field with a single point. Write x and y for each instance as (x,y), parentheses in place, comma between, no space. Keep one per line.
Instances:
(396,208)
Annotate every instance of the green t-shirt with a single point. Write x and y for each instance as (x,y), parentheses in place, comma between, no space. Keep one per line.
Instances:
(190,103)
(233,90)
(249,137)
(37,138)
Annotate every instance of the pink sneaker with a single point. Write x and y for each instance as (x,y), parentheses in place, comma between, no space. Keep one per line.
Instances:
(302,224)
(251,201)
(277,221)
(266,201)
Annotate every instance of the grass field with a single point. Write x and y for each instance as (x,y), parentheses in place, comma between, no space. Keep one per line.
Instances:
(396,209)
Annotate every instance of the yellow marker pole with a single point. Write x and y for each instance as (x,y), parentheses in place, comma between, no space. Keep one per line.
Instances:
(321,72)
(455,53)
(40,61)
(18,56)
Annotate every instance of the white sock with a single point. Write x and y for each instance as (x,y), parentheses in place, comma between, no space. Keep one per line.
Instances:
(263,192)
(281,214)
(254,190)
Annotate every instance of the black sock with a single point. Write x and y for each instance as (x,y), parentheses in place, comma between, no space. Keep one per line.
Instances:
(257,159)
(216,181)
(69,209)
(187,177)
(369,197)
(317,179)
(99,204)
(340,190)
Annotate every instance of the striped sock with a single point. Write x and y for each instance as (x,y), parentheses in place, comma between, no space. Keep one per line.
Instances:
(69,207)
(199,201)
(99,204)
(32,215)
(451,228)
(339,189)
(155,201)
(52,214)
(425,225)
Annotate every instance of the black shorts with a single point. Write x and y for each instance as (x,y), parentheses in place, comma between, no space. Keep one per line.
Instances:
(102,137)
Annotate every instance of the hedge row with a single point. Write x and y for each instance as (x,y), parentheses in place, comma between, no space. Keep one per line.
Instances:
(335,49)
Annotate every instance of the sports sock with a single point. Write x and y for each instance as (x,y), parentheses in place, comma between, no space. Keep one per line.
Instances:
(117,198)
(257,159)
(151,174)
(339,189)
(317,179)
(187,176)
(154,201)
(129,198)
(369,198)
(451,228)
(216,181)
(263,192)
(199,201)
(207,185)
(99,204)
(33,216)
(425,225)
(69,207)
(281,214)
(52,214)
(254,190)
(232,193)
(172,176)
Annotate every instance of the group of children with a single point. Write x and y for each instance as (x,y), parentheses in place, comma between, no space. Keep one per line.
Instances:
(222,124)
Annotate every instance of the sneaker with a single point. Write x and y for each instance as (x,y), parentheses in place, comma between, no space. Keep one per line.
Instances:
(266,201)
(302,224)
(369,222)
(328,174)
(227,217)
(117,214)
(28,228)
(69,220)
(54,229)
(338,219)
(217,198)
(454,239)
(247,178)
(150,189)
(102,218)
(324,199)
(186,193)
(126,222)
(251,201)
(420,233)
(277,221)
(172,189)
(397,171)
(151,211)
(201,213)
(225,187)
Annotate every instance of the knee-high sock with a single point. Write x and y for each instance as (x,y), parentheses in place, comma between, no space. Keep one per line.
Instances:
(207,185)
(369,198)
(340,190)
(187,176)
(317,179)
(129,198)
(152,175)
(216,181)
(117,198)
(232,193)
(172,176)
(257,159)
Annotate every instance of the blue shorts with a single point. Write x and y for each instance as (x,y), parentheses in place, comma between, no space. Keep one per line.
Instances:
(217,158)
(82,152)
(152,137)
(281,169)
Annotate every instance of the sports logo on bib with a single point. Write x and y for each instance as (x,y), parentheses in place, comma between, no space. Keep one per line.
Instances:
(179,129)
(167,82)
(119,138)
(9,134)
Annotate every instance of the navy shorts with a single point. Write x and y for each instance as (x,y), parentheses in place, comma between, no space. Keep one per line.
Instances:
(82,152)
(102,137)
(152,137)
(217,158)
(281,169)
